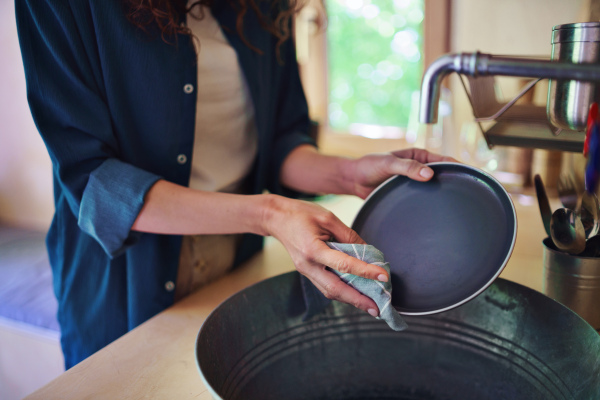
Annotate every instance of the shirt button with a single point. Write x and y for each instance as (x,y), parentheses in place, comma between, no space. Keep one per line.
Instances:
(169,286)
(181,159)
(188,88)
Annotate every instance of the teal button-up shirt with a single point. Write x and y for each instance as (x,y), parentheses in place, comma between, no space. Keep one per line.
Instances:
(115,107)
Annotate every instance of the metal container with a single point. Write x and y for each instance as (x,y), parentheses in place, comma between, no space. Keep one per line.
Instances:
(569,101)
(573,281)
(510,342)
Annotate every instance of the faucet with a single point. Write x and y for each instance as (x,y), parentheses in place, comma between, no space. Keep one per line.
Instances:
(479,64)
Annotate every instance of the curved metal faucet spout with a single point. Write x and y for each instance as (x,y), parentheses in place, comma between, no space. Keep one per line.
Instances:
(432,82)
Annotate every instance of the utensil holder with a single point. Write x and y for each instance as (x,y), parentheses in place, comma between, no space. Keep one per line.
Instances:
(573,281)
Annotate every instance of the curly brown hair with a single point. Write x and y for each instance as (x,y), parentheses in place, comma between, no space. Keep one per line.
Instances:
(165,15)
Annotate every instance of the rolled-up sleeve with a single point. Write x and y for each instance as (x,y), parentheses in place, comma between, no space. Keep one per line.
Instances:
(111,202)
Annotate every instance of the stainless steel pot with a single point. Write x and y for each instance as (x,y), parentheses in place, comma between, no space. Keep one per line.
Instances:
(510,342)
(569,101)
(573,281)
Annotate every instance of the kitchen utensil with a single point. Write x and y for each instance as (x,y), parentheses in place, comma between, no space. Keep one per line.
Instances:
(543,203)
(446,239)
(592,168)
(588,209)
(566,231)
(511,342)
(574,280)
(593,117)
(588,206)
(567,191)
(568,100)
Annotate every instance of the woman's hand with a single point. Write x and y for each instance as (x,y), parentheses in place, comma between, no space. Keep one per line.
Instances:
(303,228)
(370,171)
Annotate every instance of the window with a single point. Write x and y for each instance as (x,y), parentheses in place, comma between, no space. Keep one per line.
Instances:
(362,64)
(375,61)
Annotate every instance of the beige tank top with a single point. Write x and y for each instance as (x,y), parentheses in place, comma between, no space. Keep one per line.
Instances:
(225,146)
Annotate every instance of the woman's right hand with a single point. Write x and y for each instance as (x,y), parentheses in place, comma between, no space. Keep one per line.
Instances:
(303,228)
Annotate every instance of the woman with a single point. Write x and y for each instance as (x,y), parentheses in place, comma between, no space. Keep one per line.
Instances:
(165,127)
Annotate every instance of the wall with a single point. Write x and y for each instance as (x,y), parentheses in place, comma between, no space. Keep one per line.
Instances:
(25,168)
(510,26)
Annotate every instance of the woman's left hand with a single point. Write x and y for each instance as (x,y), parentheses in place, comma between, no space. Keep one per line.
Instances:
(370,171)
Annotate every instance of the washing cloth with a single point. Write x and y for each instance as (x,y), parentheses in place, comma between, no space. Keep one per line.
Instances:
(380,292)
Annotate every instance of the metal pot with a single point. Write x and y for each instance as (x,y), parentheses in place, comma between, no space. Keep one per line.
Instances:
(510,342)
(573,281)
(569,101)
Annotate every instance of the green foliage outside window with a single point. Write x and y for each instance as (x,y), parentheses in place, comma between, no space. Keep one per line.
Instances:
(375,60)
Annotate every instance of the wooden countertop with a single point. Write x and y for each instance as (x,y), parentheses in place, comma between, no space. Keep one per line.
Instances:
(157,359)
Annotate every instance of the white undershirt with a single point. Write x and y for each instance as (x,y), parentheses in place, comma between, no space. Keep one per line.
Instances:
(225,143)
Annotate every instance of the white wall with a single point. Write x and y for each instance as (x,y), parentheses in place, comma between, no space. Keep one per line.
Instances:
(25,168)
(510,26)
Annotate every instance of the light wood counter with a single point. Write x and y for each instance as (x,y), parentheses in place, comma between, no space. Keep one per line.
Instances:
(157,359)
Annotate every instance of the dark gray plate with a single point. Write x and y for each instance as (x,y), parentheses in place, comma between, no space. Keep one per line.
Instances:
(446,240)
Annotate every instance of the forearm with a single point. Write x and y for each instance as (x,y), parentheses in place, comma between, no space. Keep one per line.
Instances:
(306,170)
(174,209)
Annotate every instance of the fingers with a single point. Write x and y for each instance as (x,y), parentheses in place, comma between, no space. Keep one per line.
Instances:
(410,162)
(393,164)
(335,289)
(330,284)
(347,264)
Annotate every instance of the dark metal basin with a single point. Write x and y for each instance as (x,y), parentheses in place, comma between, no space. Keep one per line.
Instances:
(510,342)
